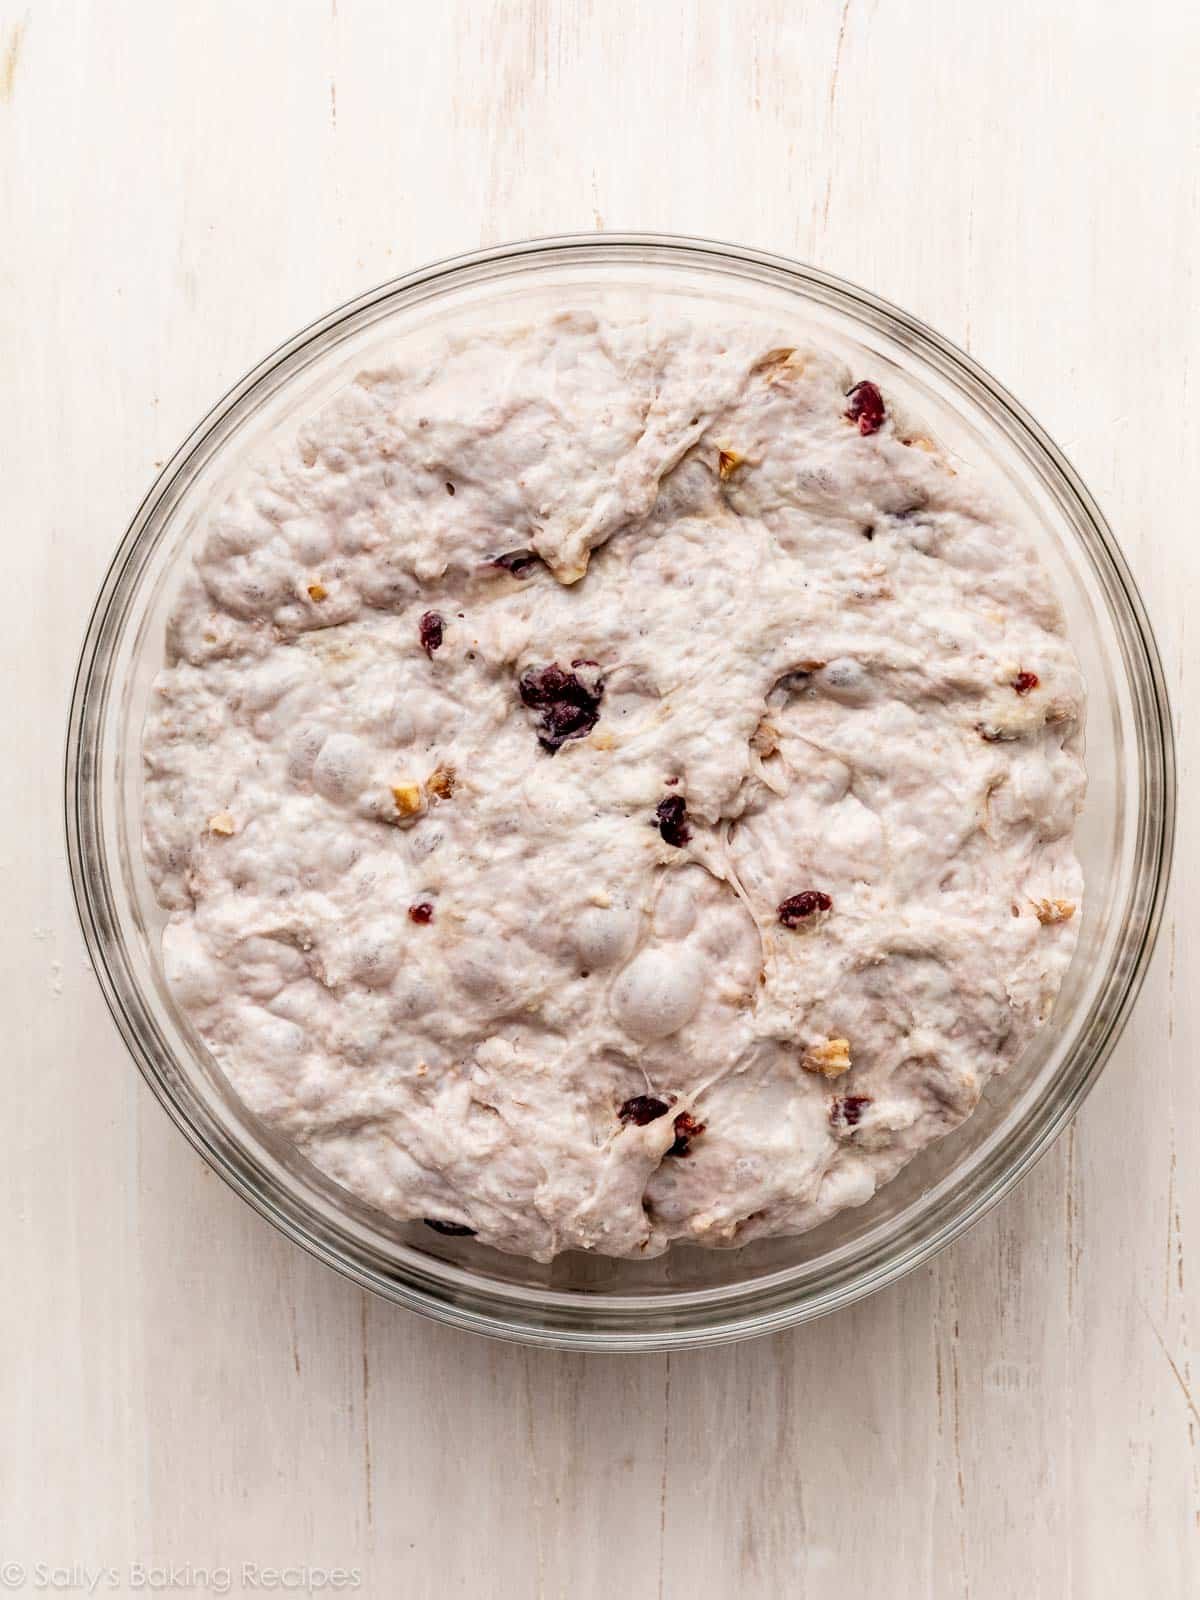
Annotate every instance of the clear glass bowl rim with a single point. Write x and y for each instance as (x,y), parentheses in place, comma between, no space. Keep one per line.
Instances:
(700,1317)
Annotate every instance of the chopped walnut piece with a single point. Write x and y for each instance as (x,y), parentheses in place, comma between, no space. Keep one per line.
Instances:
(1049,911)
(764,741)
(408,799)
(830,1058)
(441,783)
(728,461)
(931,449)
(222,823)
(778,364)
(317,592)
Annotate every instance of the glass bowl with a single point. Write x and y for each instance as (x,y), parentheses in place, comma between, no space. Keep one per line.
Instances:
(689,1296)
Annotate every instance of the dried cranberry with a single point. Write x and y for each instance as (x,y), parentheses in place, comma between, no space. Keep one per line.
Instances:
(686,1129)
(796,907)
(519,562)
(569,707)
(456,1230)
(643,1108)
(565,720)
(671,815)
(542,686)
(847,1111)
(866,407)
(432,629)
(422,912)
(1025,681)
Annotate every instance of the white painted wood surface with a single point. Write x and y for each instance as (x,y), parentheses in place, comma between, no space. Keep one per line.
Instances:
(182,184)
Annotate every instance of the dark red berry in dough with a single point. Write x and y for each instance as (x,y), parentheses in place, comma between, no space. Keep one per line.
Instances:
(671,815)
(643,1108)
(866,407)
(686,1129)
(568,706)
(847,1112)
(431,629)
(797,907)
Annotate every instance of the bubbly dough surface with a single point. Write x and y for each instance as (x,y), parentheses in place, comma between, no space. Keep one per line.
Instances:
(701,935)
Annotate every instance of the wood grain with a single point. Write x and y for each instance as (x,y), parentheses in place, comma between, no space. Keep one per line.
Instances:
(182,185)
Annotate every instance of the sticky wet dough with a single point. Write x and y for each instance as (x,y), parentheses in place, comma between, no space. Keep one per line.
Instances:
(811,634)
